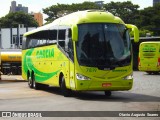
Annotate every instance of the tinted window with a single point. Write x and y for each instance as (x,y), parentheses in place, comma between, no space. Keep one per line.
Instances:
(41,38)
(103,45)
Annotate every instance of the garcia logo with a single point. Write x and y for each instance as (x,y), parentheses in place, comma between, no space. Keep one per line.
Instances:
(46,53)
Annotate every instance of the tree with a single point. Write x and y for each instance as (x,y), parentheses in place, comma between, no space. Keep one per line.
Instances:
(147,20)
(13,19)
(127,11)
(59,10)
(150,19)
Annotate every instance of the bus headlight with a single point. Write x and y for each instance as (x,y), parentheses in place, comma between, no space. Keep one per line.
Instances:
(129,77)
(81,77)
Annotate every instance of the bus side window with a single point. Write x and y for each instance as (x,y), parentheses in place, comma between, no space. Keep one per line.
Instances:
(68,41)
(29,43)
(34,42)
(61,38)
(52,35)
(41,42)
(69,44)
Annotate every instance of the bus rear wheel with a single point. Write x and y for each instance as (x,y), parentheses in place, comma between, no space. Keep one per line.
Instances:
(36,86)
(108,93)
(65,91)
(30,82)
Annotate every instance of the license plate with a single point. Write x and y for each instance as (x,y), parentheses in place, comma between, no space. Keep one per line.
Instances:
(106,84)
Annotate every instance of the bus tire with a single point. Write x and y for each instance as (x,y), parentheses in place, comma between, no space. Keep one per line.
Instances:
(156,73)
(36,86)
(108,93)
(149,72)
(65,91)
(30,82)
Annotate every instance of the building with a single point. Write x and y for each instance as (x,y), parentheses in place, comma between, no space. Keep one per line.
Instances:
(39,18)
(11,38)
(15,8)
(155,2)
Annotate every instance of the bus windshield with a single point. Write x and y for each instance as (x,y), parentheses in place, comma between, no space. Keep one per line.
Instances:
(103,45)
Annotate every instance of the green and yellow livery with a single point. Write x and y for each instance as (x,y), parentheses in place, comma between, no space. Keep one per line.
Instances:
(83,51)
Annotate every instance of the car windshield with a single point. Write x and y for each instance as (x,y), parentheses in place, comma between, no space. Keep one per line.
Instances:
(103,45)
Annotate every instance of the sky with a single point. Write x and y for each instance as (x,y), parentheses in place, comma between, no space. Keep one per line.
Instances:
(38,5)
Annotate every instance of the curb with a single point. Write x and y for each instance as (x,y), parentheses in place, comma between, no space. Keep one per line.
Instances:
(12,80)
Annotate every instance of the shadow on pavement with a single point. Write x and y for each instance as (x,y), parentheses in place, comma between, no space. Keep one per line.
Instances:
(117,96)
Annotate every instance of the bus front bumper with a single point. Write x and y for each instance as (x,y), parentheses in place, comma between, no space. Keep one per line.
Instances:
(104,85)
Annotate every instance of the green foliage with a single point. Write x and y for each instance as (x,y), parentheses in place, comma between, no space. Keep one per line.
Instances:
(143,33)
(148,19)
(127,11)
(13,19)
(56,11)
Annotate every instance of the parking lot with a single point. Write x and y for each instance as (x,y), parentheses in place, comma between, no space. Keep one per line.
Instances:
(144,96)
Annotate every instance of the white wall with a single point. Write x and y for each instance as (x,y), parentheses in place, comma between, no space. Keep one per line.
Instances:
(6,35)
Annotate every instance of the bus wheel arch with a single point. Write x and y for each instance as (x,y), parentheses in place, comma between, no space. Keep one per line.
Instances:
(28,74)
(62,83)
(60,78)
(32,76)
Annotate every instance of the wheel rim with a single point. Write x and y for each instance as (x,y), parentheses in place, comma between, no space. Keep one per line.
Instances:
(30,82)
(34,83)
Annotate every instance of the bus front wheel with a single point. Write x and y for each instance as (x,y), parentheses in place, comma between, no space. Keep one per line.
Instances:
(65,91)
(149,72)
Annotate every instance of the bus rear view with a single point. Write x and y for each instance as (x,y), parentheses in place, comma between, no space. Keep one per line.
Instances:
(149,57)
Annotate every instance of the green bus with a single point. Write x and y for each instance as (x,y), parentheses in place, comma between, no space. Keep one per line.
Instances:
(84,51)
(149,57)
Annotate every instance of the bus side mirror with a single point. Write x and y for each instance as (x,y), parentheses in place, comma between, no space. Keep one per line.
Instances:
(135,31)
(74,33)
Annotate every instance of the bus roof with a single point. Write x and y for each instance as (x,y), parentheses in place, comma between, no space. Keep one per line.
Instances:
(87,16)
(148,42)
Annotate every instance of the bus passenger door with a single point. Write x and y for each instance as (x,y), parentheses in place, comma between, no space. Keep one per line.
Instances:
(70,51)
